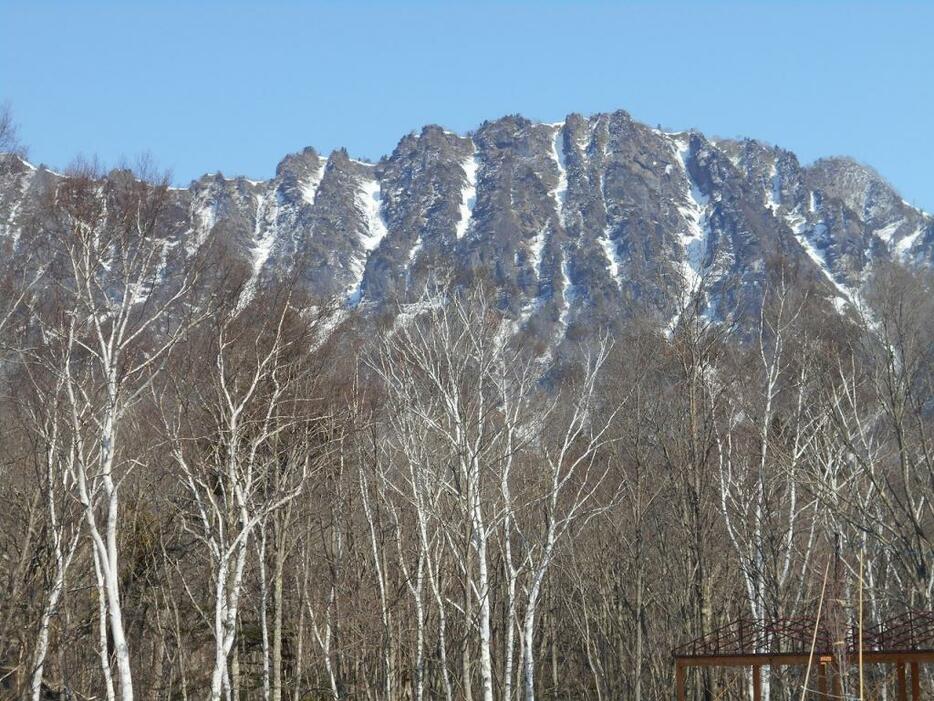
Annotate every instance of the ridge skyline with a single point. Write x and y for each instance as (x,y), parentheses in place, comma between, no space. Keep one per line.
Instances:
(179,183)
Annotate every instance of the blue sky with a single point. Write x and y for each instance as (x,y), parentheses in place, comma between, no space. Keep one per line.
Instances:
(232,87)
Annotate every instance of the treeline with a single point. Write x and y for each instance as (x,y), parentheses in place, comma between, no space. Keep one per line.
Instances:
(210,491)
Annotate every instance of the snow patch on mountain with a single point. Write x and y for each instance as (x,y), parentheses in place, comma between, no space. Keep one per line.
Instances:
(264,236)
(369,202)
(264,233)
(413,254)
(886,232)
(773,194)
(536,247)
(469,194)
(310,186)
(905,245)
(326,320)
(612,257)
(820,260)
(559,194)
(799,227)
(694,240)
(11,229)
(203,218)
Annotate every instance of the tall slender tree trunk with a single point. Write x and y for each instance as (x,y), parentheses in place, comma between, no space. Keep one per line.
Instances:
(485,613)
(103,652)
(264,612)
(277,603)
(62,563)
(158,669)
(466,666)
(235,672)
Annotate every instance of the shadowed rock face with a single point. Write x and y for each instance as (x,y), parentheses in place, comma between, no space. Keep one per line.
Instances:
(577,224)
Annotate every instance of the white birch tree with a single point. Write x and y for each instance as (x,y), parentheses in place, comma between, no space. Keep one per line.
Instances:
(230,440)
(116,326)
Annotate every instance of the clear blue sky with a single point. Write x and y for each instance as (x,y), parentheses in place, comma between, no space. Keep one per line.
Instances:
(233,86)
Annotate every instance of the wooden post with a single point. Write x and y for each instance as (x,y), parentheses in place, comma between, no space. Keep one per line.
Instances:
(679,681)
(756,683)
(836,679)
(822,680)
(902,690)
(915,682)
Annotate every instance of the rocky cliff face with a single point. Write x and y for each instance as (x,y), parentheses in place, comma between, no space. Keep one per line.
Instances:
(577,223)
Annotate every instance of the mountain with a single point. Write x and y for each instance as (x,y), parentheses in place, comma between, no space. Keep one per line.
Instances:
(577,224)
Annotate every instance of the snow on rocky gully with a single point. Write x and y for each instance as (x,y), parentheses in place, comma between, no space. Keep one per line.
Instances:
(468,195)
(369,203)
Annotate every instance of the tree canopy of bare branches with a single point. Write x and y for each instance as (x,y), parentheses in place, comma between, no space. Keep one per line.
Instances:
(216,492)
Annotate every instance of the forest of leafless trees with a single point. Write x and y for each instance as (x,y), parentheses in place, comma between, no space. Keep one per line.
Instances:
(212,497)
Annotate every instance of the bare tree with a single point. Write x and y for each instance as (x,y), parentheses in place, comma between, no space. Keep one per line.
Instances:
(439,367)
(50,427)
(231,441)
(759,485)
(465,411)
(116,327)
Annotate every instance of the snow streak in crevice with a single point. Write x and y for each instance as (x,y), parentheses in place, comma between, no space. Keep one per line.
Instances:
(413,254)
(11,229)
(886,233)
(612,256)
(564,314)
(203,218)
(469,193)
(808,237)
(904,246)
(773,194)
(264,233)
(694,240)
(610,247)
(264,237)
(559,194)
(369,202)
(536,247)
(311,185)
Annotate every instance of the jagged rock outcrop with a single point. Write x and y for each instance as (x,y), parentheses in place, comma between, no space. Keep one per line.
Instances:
(577,224)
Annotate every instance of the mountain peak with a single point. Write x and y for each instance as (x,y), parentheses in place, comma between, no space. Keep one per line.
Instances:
(579,223)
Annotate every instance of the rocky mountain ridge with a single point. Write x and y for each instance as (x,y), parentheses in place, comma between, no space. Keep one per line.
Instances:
(576,223)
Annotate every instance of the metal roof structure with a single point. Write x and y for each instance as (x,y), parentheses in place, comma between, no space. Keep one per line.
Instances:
(904,639)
